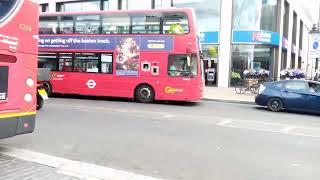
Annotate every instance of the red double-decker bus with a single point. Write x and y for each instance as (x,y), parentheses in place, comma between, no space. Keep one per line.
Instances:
(18,66)
(147,55)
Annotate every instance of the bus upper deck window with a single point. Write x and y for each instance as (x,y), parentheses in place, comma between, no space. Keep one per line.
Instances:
(175,23)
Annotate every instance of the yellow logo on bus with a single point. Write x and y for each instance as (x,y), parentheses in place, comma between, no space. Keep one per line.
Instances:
(171,90)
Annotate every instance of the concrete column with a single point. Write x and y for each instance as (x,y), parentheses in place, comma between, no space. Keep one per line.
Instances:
(289,50)
(52,6)
(225,43)
(279,28)
(298,41)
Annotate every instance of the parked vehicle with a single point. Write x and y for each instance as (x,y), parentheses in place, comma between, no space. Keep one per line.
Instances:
(298,95)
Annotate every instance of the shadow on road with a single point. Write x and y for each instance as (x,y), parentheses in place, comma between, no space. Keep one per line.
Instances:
(128,100)
(287,112)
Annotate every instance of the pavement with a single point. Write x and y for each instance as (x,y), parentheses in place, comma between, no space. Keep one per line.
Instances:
(228,95)
(179,141)
(16,169)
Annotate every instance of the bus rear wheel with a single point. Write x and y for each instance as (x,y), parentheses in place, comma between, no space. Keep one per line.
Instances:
(48,87)
(40,102)
(144,94)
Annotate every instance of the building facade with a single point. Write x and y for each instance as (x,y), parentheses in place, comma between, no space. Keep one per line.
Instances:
(236,35)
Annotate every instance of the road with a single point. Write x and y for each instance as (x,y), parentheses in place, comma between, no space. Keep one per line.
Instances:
(188,141)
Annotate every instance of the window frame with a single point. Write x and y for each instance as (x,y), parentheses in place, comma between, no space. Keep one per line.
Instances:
(130,16)
(187,71)
(306,87)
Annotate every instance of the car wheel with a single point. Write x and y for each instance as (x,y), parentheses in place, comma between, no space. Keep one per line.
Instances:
(144,94)
(275,104)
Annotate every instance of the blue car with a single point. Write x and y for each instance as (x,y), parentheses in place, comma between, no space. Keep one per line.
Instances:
(297,95)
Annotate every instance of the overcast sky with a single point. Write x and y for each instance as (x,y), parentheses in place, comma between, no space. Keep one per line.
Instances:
(311,7)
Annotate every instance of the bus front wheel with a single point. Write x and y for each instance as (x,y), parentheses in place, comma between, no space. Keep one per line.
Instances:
(144,94)
(48,87)
(40,102)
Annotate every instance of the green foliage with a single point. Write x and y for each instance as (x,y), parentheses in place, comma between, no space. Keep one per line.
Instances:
(235,75)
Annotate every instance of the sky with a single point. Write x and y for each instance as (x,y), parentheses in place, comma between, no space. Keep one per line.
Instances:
(311,8)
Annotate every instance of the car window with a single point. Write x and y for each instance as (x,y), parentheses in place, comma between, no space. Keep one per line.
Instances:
(300,86)
(314,87)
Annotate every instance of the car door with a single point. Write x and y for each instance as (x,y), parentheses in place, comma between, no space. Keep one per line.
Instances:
(313,97)
(294,94)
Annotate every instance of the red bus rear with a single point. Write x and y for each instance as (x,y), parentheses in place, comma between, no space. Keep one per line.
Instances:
(147,55)
(18,66)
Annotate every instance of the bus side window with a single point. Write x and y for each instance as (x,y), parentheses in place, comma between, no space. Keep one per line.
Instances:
(106,63)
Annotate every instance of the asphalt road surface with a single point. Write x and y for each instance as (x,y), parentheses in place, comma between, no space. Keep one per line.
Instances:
(189,141)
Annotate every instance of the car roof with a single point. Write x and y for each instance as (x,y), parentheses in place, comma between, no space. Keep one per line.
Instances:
(299,80)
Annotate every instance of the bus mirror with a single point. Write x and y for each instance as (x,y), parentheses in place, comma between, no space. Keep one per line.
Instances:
(189,61)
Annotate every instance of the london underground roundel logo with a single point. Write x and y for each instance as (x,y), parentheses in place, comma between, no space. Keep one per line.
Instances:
(7,7)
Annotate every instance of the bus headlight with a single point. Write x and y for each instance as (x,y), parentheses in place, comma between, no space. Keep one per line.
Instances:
(28,97)
(30,82)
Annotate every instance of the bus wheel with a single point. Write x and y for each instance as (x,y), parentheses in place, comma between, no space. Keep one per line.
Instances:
(40,102)
(48,87)
(144,94)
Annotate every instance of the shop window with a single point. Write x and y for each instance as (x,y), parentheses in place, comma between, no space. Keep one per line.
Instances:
(106,63)
(293,61)
(86,62)
(299,63)
(116,24)
(205,10)
(87,24)
(132,4)
(79,6)
(66,25)
(44,7)
(149,24)
(48,60)
(175,23)
(65,62)
(182,66)
(254,58)
(48,25)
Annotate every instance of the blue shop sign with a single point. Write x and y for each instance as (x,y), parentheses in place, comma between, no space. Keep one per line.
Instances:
(209,37)
(256,37)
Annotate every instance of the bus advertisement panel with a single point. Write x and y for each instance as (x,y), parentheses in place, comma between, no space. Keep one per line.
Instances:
(18,66)
(147,55)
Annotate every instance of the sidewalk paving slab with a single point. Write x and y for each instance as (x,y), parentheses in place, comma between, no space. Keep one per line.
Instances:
(228,95)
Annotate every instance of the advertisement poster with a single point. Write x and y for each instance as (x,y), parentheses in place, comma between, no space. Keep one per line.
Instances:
(128,54)
(3,82)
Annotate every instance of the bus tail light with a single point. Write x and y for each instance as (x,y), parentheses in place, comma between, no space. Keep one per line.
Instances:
(30,82)
(28,97)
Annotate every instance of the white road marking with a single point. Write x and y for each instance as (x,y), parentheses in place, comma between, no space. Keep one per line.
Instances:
(272,127)
(296,165)
(72,168)
(288,129)
(168,116)
(224,123)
